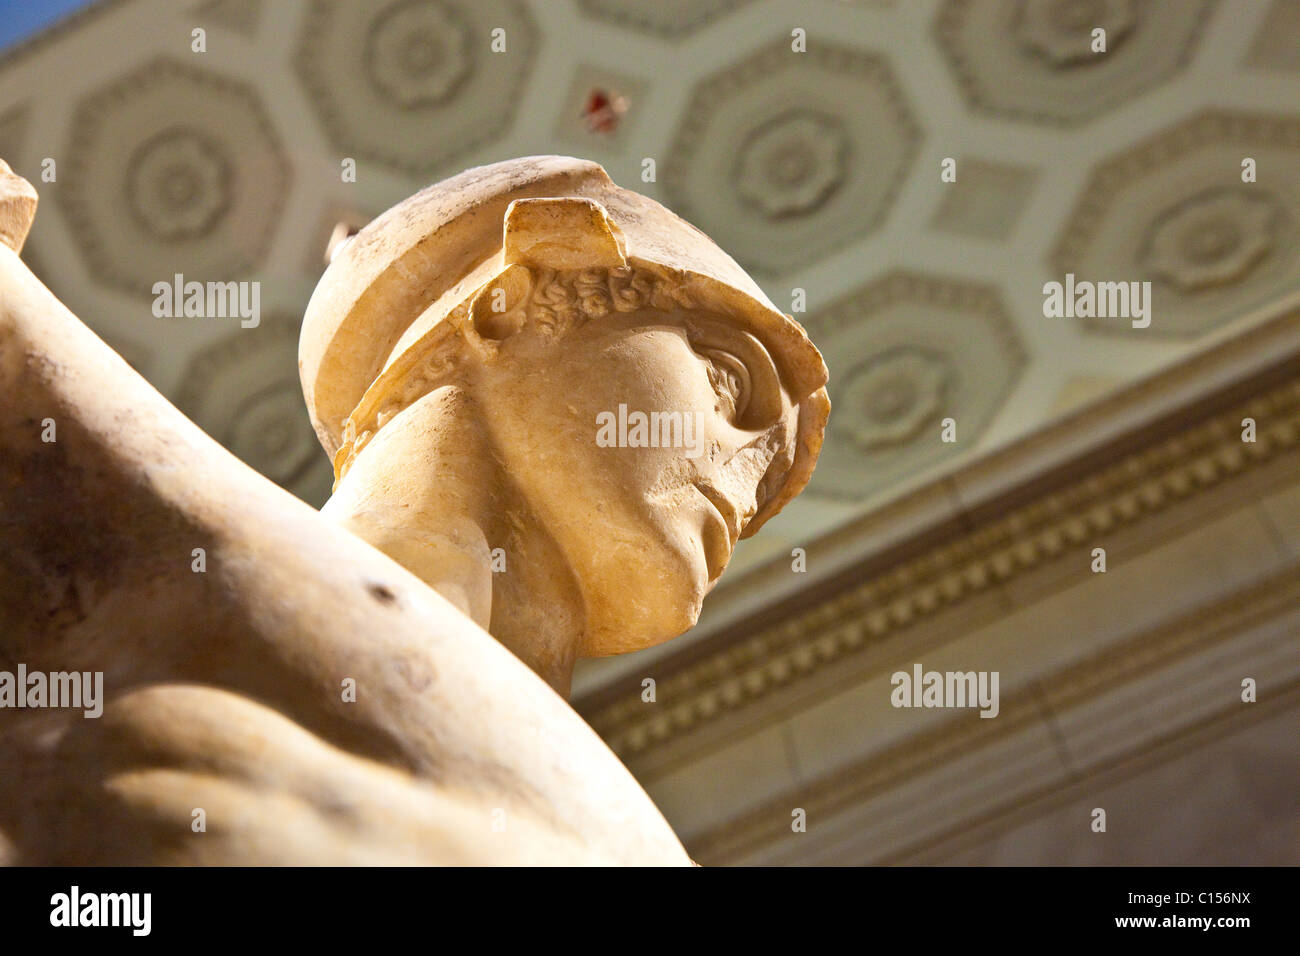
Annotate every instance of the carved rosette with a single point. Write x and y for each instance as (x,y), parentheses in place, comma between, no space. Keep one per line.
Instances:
(792,164)
(179,183)
(417,53)
(1061,30)
(916,349)
(243,390)
(435,70)
(1210,254)
(171,169)
(784,158)
(1034,59)
(266,429)
(1215,238)
(891,397)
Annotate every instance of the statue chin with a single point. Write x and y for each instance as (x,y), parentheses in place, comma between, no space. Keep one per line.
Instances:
(655,590)
(634,618)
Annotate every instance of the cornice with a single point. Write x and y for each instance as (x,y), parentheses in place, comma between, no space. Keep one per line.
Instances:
(1091,678)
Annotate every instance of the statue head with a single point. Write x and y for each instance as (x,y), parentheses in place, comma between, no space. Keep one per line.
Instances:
(647,403)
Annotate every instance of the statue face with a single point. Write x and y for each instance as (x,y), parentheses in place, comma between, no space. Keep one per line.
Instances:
(644,443)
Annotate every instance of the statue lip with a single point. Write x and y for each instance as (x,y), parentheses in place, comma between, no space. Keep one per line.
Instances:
(730,519)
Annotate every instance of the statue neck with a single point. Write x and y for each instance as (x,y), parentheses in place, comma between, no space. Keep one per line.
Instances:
(430,492)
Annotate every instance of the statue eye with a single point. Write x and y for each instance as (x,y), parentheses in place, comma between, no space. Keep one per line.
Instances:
(730,379)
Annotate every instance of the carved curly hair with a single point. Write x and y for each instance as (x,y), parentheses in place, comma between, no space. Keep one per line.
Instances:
(555,302)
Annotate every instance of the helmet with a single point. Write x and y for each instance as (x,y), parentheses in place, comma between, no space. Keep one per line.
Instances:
(404,279)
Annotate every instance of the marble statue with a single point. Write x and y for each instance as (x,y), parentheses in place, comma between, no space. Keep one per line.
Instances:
(553,407)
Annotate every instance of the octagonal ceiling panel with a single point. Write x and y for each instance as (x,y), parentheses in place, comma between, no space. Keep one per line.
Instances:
(1033,59)
(172,169)
(783,157)
(905,352)
(243,390)
(414,83)
(1174,210)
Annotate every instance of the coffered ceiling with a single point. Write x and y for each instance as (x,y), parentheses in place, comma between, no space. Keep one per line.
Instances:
(819,171)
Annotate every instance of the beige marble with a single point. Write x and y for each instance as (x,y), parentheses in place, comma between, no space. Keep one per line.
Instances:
(17,208)
(456,359)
